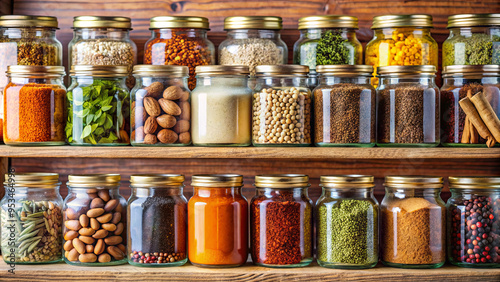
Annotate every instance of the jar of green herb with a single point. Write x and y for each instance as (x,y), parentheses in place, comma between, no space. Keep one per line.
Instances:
(347,222)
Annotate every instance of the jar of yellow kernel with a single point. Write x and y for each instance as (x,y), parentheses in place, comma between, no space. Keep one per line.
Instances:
(401,40)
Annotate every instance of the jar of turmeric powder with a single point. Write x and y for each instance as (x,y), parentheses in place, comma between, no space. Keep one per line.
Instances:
(217,221)
(401,40)
(34,106)
(180,41)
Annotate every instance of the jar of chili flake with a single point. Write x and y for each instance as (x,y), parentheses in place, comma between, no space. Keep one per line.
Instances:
(281,221)
(474,221)
(180,41)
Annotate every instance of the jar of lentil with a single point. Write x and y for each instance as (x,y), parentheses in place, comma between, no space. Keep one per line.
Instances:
(99,106)
(413,222)
(221,106)
(157,211)
(217,221)
(347,222)
(31,216)
(281,221)
(474,221)
(180,41)
(401,40)
(160,109)
(34,106)
(103,41)
(282,106)
(344,106)
(460,82)
(407,107)
(327,40)
(95,218)
(474,40)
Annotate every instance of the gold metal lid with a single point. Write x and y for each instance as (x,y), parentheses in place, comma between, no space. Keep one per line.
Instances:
(470,20)
(160,70)
(178,22)
(282,181)
(32,179)
(154,180)
(253,22)
(265,70)
(345,70)
(102,22)
(36,71)
(222,70)
(217,180)
(474,182)
(328,21)
(347,181)
(406,70)
(99,71)
(474,70)
(28,21)
(92,180)
(414,182)
(386,21)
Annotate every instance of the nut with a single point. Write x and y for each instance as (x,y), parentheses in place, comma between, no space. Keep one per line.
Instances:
(124,136)
(182,126)
(111,205)
(113,240)
(167,136)
(73,224)
(104,258)
(150,139)
(154,89)
(185,138)
(119,228)
(169,107)
(173,93)
(87,258)
(71,213)
(99,247)
(79,245)
(116,218)
(89,248)
(86,231)
(139,134)
(105,218)
(87,240)
(152,107)
(95,224)
(166,121)
(115,252)
(68,245)
(84,220)
(185,96)
(150,125)
(70,235)
(96,203)
(104,195)
(73,255)
(122,248)
(185,111)
(119,208)
(95,212)
(109,226)
(100,234)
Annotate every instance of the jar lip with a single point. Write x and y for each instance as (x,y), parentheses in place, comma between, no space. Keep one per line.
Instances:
(208,70)
(413,181)
(160,70)
(328,21)
(273,70)
(474,182)
(344,70)
(37,71)
(393,21)
(28,21)
(347,181)
(32,180)
(406,70)
(91,180)
(471,70)
(179,22)
(253,22)
(281,181)
(473,20)
(102,22)
(99,71)
(217,180)
(154,180)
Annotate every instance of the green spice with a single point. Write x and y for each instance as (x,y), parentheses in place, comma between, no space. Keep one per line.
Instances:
(307,54)
(333,49)
(477,49)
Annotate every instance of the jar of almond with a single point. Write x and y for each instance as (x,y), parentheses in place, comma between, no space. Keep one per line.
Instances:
(281,106)
(95,218)
(160,109)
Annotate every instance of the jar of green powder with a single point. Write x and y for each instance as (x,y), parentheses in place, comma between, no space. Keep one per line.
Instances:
(347,222)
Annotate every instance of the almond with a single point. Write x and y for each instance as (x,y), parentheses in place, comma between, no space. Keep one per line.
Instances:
(79,245)
(99,247)
(105,218)
(122,248)
(87,258)
(104,195)
(124,137)
(87,240)
(111,205)
(185,96)
(115,252)
(68,245)
(71,213)
(154,89)
(73,255)
(167,136)
(150,139)
(101,233)
(73,224)
(185,138)
(116,218)
(109,226)
(84,220)
(97,203)
(95,224)
(138,134)
(182,126)
(86,231)
(104,258)
(119,228)
(113,240)
(95,212)
(89,248)
(70,235)
(152,107)
(166,121)
(173,93)
(169,107)
(119,208)
(150,125)
(186,111)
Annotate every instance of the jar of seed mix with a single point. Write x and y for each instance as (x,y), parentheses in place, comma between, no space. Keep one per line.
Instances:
(281,221)
(413,222)
(281,106)
(95,218)
(160,109)
(474,221)
(344,106)
(253,41)
(157,211)
(467,81)
(31,216)
(217,221)
(407,107)
(98,106)
(401,40)
(474,40)
(347,222)
(180,41)
(103,41)
(221,106)
(34,106)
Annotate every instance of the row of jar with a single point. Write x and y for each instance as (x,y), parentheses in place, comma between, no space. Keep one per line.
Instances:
(344,110)
(212,228)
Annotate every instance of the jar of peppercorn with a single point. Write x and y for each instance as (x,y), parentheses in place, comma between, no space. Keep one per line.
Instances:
(474,221)
(180,41)
(281,221)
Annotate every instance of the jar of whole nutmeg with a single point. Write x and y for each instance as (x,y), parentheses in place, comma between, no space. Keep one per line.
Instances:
(160,106)
(94,216)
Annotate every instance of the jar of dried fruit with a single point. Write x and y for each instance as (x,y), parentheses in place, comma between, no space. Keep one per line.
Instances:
(180,41)
(95,217)
(160,109)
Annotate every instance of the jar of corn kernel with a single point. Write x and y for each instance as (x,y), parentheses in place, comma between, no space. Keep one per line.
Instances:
(401,40)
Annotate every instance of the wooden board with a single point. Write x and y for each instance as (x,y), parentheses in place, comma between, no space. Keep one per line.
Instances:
(5,7)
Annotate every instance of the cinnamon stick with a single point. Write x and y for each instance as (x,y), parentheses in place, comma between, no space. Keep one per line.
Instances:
(487,114)
(476,120)
(466,132)
(474,136)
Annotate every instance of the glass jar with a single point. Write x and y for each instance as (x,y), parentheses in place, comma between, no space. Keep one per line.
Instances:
(157,210)
(281,221)
(161,109)
(474,40)
(413,222)
(103,41)
(180,41)
(221,106)
(282,106)
(34,106)
(474,221)
(401,40)
(95,218)
(217,221)
(344,106)
(99,106)
(466,81)
(31,218)
(327,40)
(407,107)
(347,222)
(253,41)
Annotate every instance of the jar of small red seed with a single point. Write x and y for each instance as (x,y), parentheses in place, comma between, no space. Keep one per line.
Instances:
(474,221)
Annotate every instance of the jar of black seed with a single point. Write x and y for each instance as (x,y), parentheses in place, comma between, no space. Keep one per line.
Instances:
(474,221)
